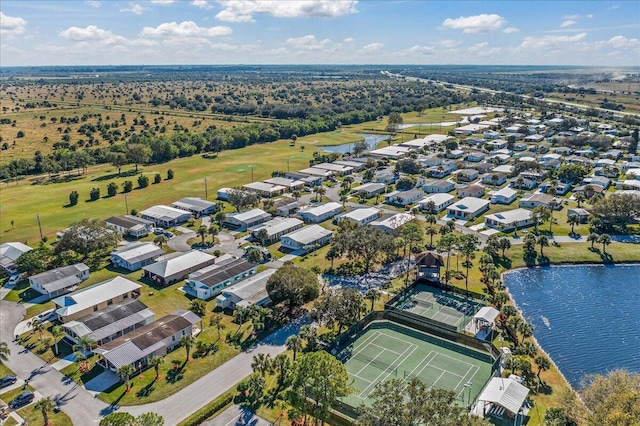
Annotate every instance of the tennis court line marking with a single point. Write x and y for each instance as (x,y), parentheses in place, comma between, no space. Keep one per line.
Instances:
(427,358)
(365,342)
(383,348)
(401,356)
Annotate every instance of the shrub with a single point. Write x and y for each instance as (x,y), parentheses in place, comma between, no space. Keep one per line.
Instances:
(73,198)
(157,178)
(134,212)
(94,194)
(169,174)
(127,186)
(143,181)
(112,189)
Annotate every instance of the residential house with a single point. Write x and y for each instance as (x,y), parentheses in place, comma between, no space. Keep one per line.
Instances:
(504,195)
(249,292)
(316,173)
(91,299)
(628,184)
(175,266)
(534,138)
(438,186)
(165,216)
(497,159)
(510,219)
(369,190)
(589,190)
(468,208)
(356,165)
(455,154)
(404,198)
(337,169)
(130,226)
(536,200)
(197,206)
(441,202)
(614,154)
(212,280)
(482,167)
(525,184)
(245,220)
(393,152)
(109,323)
(59,281)
(134,256)
(563,150)
(494,179)
(476,191)
(491,135)
(444,169)
(466,175)
(290,184)
(476,156)
(604,162)
(385,177)
(470,129)
(496,144)
(582,214)
(9,254)
(393,224)
(320,213)
(560,188)
(430,160)
(309,181)
(286,206)
(264,189)
(306,239)
(271,231)
(360,216)
(223,193)
(155,339)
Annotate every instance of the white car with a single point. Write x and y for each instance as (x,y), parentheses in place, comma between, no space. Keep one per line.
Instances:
(45,316)
(14,279)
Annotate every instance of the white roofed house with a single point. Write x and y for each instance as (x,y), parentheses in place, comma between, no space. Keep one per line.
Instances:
(155,339)
(198,206)
(320,213)
(9,254)
(264,189)
(393,224)
(470,191)
(510,219)
(404,198)
(165,216)
(129,225)
(535,200)
(468,208)
(441,202)
(245,220)
(91,299)
(360,216)
(316,173)
(504,195)
(495,179)
(109,323)
(289,184)
(338,169)
(134,256)
(369,190)
(306,239)
(176,266)
(438,186)
(251,291)
(271,231)
(59,281)
(211,281)
(286,206)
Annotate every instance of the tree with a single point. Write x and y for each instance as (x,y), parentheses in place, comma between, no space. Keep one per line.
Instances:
(198,307)
(617,210)
(318,379)
(125,372)
(411,402)
(558,417)
(149,419)
(468,245)
(242,200)
(94,194)
(160,240)
(261,364)
(372,295)
(319,190)
(293,343)
(45,406)
(408,165)
(394,121)
(202,232)
(579,197)
(504,244)
(573,220)
(241,314)
(216,321)
(112,189)
(5,352)
(86,237)
(121,418)
(157,178)
(281,365)
(633,144)
(34,261)
(543,241)
(127,186)
(169,174)
(446,244)
(37,327)
(293,286)
(118,159)
(605,240)
(56,331)
(543,364)
(73,197)
(187,341)
(156,362)
(593,238)
(572,173)
(213,231)
(138,154)
(143,181)
(430,231)
(340,306)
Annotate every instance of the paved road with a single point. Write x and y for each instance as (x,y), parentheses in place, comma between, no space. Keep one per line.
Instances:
(237,416)
(84,409)
(179,242)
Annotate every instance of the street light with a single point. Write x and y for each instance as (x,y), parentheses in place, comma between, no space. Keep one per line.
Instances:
(468,386)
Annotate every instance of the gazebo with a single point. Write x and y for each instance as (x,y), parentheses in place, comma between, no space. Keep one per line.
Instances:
(429,264)
(503,397)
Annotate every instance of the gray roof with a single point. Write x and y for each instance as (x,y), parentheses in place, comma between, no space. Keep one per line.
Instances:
(59,278)
(178,263)
(128,221)
(193,203)
(93,295)
(225,272)
(137,252)
(252,290)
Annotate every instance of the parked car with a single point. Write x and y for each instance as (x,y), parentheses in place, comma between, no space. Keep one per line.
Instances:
(168,234)
(158,231)
(45,316)
(7,380)
(14,279)
(23,399)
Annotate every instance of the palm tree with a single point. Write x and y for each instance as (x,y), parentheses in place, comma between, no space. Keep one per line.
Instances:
(430,231)
(261,364)
(319,191)
(125,372)
(5,352)
(543,241)
(56,332)
(579,197)
(605,240)
(430,207)
(552,206)
(543,364)
(213,231)
(431,219)
(468,246)
(593,238)
(216,321)
(202,233)
(281,365)
(372,295)
(241,314)
(504,244)
(188,340)
(45,405)
(294,344)
(525,329)
(156,362)
(36,327)
(515,228)
(160,240)
(310,334)
(573,220)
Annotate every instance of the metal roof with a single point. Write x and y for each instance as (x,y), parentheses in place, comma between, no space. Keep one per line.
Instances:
(93,295)
(225,272)
(136,252)
(178,263)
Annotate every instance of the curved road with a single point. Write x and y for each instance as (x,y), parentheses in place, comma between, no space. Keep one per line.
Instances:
(83,409)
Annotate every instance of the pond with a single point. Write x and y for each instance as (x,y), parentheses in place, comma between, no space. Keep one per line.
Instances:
(371,140)
(587,318)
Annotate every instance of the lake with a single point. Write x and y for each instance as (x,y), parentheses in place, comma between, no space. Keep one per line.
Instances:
(587,318)
(371,140)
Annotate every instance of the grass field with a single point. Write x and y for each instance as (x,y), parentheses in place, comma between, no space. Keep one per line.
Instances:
(388,351)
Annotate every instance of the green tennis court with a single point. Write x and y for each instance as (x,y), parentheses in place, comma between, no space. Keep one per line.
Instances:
(386,350)
(444,307)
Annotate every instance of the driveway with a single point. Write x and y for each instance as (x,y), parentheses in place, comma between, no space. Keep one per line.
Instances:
(237,416)
(179,242)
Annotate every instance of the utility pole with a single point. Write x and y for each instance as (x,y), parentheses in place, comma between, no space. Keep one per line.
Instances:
(251,173)
(126,205)
(287,164)
(39,225)
(206,192)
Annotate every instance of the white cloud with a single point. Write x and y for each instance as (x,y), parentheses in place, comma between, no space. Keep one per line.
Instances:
(551,42)
(483,49)
(134,8)
(349,40)
(568,23)
(510,30)
(307,42)
(372,47)
(621,42)
(91,32)
(11,25)
(589,16)
(475,24)
(93,3)
(163,1)
(424,50)
(185,29)
(202,4)
(571,17)
(243,10)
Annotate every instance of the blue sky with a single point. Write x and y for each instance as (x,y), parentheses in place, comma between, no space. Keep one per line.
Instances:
(109,32)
